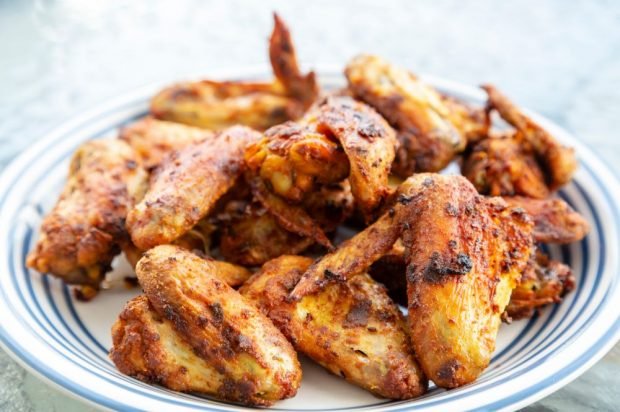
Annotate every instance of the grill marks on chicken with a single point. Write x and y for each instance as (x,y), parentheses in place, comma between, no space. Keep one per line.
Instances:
(194,325)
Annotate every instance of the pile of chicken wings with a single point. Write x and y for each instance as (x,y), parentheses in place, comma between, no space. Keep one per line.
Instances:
(228,200)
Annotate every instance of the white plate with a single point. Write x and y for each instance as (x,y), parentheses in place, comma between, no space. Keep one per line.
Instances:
(66,341)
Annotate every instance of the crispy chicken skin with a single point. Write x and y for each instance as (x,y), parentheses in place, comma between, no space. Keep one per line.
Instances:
(257,363)
(83,232)
(154,139)
(558,161)
(185,187)
(352,329)
(501,165)
(146,346)
(369,143)
(292,217)
(544,282)
(431,129)
(465,255)
(339,138)
(554,220)
(217,105)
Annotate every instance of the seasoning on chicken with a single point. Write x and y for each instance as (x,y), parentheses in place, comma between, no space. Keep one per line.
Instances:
(352,329)
(544,282)
(84,231)
(153,139)
(185,187)
(431,129)
(464,255)
(194,333)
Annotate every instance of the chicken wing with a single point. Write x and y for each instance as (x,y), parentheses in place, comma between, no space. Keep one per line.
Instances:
(83,232)
(217,105)
(465,255)
(340,138)
(545,281)
(255,363)
(154,139)
(501,165)
(186,186)
(431,129)
(352,329)
(554,220)
(558,161)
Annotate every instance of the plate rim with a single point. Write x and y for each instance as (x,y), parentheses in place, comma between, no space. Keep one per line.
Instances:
(54,134)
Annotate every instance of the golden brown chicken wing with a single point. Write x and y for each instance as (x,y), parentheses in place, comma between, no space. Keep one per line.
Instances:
(352,329)
(203,317)
(558,161)
(357,254)
(146,346)
(554,220)
(82,234)
(154,139)
(186,186)
(431,129)
(464,257)
(217,105)
(503,165)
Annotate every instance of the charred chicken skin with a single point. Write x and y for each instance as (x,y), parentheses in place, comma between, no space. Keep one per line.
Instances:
(193,332)
(339,139)
(527,161)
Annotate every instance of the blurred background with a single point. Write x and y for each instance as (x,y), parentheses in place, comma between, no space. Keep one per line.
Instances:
(559,58)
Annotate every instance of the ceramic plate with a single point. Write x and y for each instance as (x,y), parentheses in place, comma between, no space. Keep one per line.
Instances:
(66,341)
